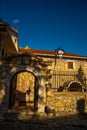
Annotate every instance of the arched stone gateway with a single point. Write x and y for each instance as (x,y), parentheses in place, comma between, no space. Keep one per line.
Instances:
(73,86)
(25,89)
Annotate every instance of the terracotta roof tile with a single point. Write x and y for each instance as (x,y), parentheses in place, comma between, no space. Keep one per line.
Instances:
(48,52)
(71,54)
(36,51)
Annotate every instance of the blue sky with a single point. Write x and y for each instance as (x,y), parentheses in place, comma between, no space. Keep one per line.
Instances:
(48,24)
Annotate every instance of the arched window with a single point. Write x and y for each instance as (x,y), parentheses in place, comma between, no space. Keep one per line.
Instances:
(73,86)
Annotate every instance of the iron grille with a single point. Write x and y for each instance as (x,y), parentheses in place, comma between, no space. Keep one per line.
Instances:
(61,80)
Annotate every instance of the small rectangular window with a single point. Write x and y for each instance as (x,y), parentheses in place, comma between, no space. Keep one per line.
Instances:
(70,65)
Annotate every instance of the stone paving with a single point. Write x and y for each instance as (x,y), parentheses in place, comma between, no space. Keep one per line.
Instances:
(35,122)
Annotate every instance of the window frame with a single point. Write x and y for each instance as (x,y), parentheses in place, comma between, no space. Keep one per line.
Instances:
(70,65)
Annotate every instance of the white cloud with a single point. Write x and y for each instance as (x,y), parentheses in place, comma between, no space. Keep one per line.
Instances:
(16,21)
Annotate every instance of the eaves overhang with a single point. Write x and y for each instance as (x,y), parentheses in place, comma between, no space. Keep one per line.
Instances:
(45,53)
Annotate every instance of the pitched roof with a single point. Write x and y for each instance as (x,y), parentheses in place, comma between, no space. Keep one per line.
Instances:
(5,25)
(33,51)
(49,53)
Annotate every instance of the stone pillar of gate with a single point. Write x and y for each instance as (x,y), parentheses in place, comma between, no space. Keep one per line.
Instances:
(41,97)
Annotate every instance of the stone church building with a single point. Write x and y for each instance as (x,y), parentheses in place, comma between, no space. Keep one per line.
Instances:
(39,80)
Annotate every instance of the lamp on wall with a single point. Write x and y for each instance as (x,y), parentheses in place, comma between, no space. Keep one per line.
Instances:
(59,52)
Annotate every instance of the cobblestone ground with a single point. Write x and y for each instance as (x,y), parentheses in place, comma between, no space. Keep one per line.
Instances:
(69,122)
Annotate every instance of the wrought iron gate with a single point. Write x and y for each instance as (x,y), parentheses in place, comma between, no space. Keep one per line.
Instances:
(61,77)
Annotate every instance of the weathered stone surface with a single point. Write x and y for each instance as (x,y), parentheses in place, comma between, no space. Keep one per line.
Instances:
(68,102)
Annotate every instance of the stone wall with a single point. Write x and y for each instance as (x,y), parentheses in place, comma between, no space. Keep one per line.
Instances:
(66,102)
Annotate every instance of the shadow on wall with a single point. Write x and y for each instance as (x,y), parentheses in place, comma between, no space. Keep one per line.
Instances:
(60,89)
(81,106)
